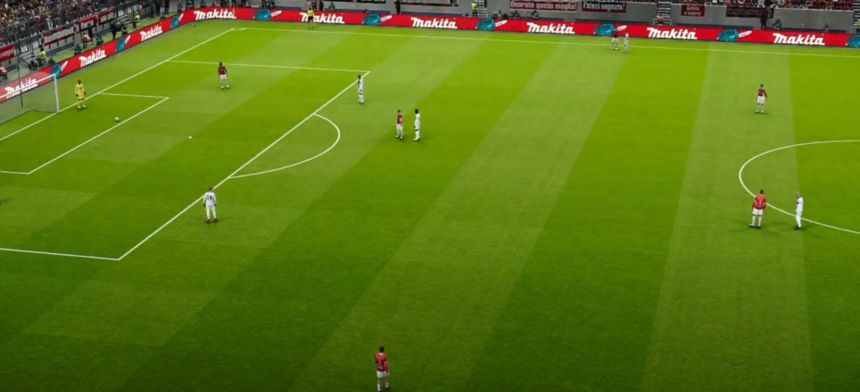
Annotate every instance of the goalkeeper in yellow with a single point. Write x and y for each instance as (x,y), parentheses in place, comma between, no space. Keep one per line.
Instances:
(81,92)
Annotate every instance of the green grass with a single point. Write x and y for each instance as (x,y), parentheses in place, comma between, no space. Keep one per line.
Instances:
(572,220)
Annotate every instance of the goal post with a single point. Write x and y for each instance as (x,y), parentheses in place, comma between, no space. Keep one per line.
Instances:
(37,92)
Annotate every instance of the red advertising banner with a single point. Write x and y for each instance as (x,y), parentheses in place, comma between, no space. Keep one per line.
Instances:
(544,5)
(27,83)
(7,53)
(453,23)
(111,48)
(693,9)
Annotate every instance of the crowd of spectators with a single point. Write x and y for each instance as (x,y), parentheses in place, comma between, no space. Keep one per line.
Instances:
(844,5)
(20,18)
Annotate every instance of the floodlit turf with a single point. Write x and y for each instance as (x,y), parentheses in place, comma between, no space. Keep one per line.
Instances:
(571,220)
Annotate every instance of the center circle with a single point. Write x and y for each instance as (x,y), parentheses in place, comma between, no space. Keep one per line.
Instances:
(741,179)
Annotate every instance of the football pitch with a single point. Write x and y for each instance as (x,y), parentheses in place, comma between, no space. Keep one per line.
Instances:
(573,219)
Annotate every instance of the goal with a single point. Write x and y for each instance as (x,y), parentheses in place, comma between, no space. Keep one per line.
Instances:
(37,92)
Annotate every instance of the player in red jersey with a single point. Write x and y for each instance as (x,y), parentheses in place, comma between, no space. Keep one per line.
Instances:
(381,369)
(759,205)
(399,125)
(762,96)
(222,73)
(614,45)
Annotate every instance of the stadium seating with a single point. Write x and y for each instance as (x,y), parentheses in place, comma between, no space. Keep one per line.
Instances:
(844,5)
(21,18)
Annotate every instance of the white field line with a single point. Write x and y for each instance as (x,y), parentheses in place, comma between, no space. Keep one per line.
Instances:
(69,107)
(270,66)
(197,200)
(302,162)
(134,95)
(35,252)
(741,178)
(555,42)
(117,83)
(99,135)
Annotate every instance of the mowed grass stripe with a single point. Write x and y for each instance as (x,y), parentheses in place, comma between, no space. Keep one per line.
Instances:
(476,236)
(828,179)
(185,277)
(732,314)
(581,315)
(318,279)
(34,284)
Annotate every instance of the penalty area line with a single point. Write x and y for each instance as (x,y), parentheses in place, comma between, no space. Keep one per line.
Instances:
(197,200)
(36,252)
(118,83)
(271,66)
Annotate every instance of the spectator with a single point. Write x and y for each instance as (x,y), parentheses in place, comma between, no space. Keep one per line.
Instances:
(397,6)
(474,9)
(3,73)
(763,19)
(777,24)
(535,15)
(113,30)
(43,56)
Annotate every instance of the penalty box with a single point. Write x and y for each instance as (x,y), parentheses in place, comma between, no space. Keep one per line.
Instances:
(40,248)
(38,144)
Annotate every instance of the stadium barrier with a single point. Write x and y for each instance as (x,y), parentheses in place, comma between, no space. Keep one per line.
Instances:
(100,53)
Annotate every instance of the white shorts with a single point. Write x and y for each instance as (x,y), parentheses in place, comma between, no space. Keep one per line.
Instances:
(381,374)
(210,207)
(223,77)
(799,212)
(758,212)
(400,127)
(760,101)
(615,40)
(360,91)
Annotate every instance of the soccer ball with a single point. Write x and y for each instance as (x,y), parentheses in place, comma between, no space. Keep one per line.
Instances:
(116,119)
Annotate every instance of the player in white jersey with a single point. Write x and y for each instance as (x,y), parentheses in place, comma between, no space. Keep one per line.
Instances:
(210,201)
(417,126)
(626,43)
(799,211)
(360,89)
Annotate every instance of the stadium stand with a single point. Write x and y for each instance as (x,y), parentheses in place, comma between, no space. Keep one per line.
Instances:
(844,5)
(21,18)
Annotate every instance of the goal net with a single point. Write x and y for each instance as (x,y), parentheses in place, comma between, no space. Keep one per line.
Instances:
(36,92)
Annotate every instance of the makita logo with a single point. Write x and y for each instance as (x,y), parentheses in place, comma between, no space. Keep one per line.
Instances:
(324,18)
(800,39)
(155,31)
(14,90)
(434,23)
(216,14)
(96,55)
(671,34)
(551,28)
